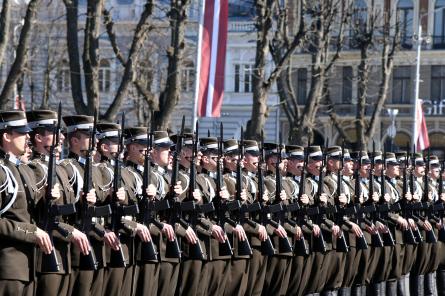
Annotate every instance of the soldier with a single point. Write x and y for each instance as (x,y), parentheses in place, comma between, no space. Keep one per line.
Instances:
(257,234)
(43,123)
(117,278)
(239,269)
(277,280)
(82,281)
(217,267)
(294,170)
(17,228)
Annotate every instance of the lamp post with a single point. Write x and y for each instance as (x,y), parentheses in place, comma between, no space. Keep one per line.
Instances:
(392,130)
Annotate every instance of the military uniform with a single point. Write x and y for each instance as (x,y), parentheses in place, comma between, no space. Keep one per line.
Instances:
(85,281)
(17,227)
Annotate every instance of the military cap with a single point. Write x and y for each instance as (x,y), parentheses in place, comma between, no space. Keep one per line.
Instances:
(418,159)
(187,139)
(136,135)
(391,158)
(78,123)
(251,147)
(434,161)
(315,153)
(362,155)
(209,144)
(401,156)
(161,139)
(347,155)
(378,156)
(41,118)
(295,152)
(334,152)
(14,120)
(107,130)
(270,149)
(231,147)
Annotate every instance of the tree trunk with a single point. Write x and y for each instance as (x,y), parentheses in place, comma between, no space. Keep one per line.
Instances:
(5,20)
(170,95)
(91,54)
(362,88)
(21,52)
(74,55)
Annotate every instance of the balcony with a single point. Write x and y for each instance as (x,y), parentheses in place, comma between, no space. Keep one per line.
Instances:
(241,26)
(439,42)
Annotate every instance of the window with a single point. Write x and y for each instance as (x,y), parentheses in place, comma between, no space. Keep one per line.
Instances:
(437,82)
(347,84)
(188,78)
(301,85)
(125,2)
(63,79)
(401,85)
(243,77)
(358,22)
(241,9)
(405,18)
(439,25)
(104,76)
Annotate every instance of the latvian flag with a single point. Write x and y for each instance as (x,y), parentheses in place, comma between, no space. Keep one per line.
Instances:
(211,57)
(421,139)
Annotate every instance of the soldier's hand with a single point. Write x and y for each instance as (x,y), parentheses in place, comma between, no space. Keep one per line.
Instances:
(356,229)
(343,199)
(416,197)
(316,230)
(244,194)
(439,224)
(336,231)
(197,195)
(361,199)
(224,194)
(381,227)
(298,232)
(375,197)
(43,241)
(80,239)
(280,231)
(442,196)
(283,195)
(168,231)
(387,197)
(430,196)
(408,196)
(262,233)
(240,233)
(412,224)
(120,194)
(178,188)
(55,191)
(143,232)
(111,240)
(190,235)
(151,190)
(218,233)
(402,223)
(304,199)
(265,196)
(371,229)
(324,198)
(91,196)
(427,225)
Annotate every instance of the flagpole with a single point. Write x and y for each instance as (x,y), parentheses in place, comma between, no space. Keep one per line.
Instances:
(417,83)
(201,8)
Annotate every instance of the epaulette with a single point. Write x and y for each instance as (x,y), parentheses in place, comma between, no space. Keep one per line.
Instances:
(65,161)
(104,168)
(40,166)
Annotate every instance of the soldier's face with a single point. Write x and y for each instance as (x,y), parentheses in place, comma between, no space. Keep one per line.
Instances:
(378,167)
(160,155)
(230,162)
(251,162)
(186,156)
(365,169)
(295,166)
(314,166)
(334,164)
(435,173)
(393,171)
(419,170)
(348,168)
(209,161)
(15,143)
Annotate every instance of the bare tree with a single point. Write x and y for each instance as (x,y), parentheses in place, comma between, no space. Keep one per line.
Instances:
(21,53)
(5,19)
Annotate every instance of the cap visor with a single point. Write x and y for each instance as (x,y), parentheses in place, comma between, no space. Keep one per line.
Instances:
(22,129)
(253,152)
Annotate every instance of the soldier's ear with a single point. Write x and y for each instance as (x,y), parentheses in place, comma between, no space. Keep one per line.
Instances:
(7,137)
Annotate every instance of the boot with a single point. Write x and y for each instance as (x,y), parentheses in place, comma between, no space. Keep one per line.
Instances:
(329,293)
(344,291)
(430,284)
(378,289)
(357,291)
(403,285)
(391,287)
(440,277)
(417,286)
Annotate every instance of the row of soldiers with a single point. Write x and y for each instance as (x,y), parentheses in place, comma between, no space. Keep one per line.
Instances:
(132,211)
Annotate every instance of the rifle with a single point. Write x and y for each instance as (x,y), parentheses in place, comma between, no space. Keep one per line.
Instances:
(413,207)
(267,247)
(430,235)
(117,257)
(276,209)
(189,208)
(440,203)
(148,207)
(89,262)
(50,263)
(225,248)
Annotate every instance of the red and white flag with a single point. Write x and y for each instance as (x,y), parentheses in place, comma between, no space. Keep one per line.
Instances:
(421,139)
(211,57)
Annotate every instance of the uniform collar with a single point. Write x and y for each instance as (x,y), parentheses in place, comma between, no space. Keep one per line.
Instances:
(13,159)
